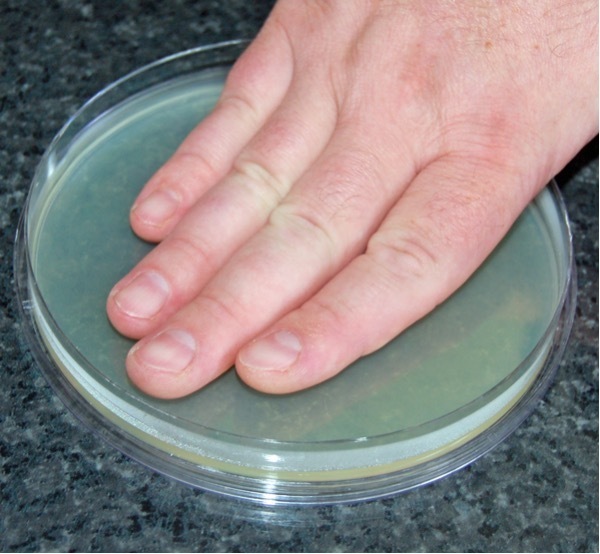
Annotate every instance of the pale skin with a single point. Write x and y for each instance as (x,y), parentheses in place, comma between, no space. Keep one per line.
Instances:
(365,157)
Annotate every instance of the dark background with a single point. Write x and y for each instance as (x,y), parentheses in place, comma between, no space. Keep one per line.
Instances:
(62,489)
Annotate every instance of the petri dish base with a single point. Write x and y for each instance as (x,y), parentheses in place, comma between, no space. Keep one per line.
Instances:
(430,402)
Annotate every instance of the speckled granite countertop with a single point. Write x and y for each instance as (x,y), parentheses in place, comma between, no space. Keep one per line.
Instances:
(61,489)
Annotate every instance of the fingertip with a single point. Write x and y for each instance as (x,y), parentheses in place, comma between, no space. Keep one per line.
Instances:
(276,363)
(154,215)
(135,304)
(163,366)
(119,321)
(272,383)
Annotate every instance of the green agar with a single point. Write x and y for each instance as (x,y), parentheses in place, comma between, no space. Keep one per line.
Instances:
(82,244)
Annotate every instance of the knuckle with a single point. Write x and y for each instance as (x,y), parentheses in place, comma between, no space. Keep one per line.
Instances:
(327,315)
(262,182)
(404,254)
(454,222)
(243,107)
(337,202)
(190,252)
(301,225)
(222,306)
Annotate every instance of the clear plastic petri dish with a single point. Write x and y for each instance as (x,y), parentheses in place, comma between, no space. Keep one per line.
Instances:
(433,400)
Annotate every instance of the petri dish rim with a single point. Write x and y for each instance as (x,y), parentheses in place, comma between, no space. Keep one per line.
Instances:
(281,490)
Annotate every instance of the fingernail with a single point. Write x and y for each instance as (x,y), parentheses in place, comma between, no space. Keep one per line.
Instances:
(157,208)
(274,352)
(144,297)
(171,351)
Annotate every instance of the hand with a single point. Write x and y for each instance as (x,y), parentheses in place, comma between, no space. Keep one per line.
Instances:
(364,158)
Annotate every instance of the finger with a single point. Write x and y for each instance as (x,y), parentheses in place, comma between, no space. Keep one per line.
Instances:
(304,244)
(254,88)
(444,226)
(227,216)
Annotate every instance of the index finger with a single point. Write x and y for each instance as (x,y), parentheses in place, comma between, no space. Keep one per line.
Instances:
(434,238)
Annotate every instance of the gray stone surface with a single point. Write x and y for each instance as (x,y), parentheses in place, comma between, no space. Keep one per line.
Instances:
(61,489)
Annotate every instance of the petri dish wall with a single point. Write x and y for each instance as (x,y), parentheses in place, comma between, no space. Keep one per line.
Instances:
(430,402)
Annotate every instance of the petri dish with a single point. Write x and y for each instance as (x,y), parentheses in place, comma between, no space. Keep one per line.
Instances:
(433,400)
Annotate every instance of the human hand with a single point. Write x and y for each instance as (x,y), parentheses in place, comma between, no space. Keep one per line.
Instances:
(363,160)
